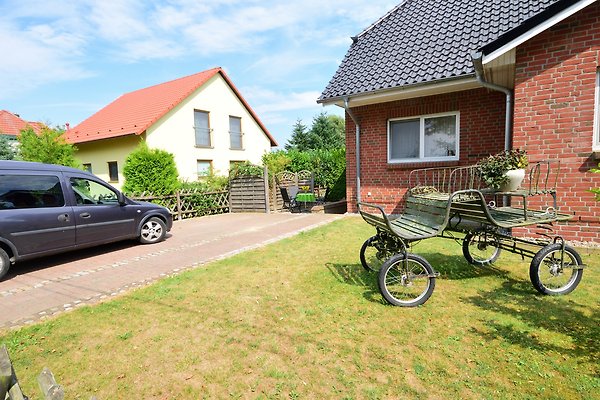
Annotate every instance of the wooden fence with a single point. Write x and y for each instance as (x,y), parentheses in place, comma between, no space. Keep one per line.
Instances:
(245,194)
(249,193)
(190,203)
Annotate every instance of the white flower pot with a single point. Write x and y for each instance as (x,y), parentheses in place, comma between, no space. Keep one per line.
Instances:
(515,177)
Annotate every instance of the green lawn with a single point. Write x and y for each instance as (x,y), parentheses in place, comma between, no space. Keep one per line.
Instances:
(301,319)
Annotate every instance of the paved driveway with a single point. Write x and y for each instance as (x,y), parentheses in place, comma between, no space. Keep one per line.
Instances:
(45,287)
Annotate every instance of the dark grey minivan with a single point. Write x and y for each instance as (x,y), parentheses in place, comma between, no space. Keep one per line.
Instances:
(47,209)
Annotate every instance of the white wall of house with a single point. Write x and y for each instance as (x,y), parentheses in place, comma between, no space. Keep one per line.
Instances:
(99,153)
(175,132)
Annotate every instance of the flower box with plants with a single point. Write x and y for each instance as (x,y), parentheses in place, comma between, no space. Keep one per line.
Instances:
(504,171)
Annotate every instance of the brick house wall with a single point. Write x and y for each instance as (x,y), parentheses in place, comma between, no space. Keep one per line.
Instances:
(481,134)
(554,113)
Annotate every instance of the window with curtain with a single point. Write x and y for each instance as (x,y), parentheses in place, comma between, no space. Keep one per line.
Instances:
(235,132)
(202,128)
(426,138)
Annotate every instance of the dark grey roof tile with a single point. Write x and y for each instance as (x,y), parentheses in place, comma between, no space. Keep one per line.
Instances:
(425,40)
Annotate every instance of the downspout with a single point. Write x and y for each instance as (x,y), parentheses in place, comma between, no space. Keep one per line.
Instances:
(476,58)
(353,117)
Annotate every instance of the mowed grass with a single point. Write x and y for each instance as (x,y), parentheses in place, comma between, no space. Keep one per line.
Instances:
(301,319)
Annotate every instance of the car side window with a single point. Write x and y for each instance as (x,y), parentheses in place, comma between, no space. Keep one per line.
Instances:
(88,192)
(30,191)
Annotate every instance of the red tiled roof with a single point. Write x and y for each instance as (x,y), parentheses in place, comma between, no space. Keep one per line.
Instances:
(11,124)
(133,113)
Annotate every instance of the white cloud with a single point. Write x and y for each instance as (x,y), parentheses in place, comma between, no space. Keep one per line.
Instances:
(265,100)
(37,56)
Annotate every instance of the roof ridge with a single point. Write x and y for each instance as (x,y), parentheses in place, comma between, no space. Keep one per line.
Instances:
(216,69)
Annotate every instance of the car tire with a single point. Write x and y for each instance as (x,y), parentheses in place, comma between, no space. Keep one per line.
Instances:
(4,263)
(153,230)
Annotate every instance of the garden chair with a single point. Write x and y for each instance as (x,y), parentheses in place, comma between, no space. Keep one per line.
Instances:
(288,194)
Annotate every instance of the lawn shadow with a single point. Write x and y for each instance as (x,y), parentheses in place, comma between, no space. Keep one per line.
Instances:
(518,300)
(356,275)
(457,268)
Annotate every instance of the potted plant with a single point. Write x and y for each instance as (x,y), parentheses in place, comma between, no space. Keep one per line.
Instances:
(504,171)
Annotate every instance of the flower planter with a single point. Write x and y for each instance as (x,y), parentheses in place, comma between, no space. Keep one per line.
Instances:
(515,177)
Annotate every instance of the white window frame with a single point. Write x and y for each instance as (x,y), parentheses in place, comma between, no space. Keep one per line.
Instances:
(422,158)
(596,133)
(210,166)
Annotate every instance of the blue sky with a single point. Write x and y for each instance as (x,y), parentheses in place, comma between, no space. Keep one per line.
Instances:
(64,60)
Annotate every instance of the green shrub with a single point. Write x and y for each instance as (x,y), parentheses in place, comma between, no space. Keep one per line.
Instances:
(150,170)
(328,166)
(49,146)
(276,161)
(210,183)
(6,148)
(245,169)
(338,190)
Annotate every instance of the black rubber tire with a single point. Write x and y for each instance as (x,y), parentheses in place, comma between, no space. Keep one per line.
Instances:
(4,263)
(152,231)
(472,239)
(545,261)
(391,272)
(368,261)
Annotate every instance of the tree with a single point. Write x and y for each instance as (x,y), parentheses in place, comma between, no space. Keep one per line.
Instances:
(150,170)
(326,133)
(48,147)
(6,148)
(299,139)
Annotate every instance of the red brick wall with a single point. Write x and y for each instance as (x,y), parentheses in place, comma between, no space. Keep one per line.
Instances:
(554,112)
(481,134)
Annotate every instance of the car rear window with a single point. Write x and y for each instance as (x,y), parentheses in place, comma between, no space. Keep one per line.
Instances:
(30,191)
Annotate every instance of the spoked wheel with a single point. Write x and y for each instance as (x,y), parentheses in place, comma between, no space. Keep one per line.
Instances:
(371,257)
(406,282)
(551,276)
(480,247)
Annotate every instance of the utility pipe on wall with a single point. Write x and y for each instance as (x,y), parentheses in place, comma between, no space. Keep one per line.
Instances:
(357,147)
(476,58)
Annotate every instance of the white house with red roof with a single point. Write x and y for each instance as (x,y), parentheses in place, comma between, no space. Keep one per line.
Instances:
(202,119)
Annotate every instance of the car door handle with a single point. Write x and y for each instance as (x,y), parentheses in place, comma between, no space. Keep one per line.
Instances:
(85,215)
(63,218)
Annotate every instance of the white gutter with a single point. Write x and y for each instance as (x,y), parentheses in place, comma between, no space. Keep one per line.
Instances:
(476,58)
(357,147)
(536,30)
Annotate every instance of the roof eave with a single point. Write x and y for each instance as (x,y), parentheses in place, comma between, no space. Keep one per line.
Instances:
(532,27)
(249,109)
(441,86)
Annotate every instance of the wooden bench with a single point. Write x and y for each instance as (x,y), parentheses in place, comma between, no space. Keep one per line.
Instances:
(424,216)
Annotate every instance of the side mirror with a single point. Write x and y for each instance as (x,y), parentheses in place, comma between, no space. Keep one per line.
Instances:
(122,200)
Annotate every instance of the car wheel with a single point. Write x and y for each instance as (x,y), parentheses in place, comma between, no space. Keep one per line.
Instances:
(153,231)
(4,263)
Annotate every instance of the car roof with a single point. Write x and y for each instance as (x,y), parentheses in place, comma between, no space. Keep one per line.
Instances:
(35,166)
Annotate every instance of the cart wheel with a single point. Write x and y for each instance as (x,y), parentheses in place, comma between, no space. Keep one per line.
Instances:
(479,248)
(370,257)
(406,282)
(547,274)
